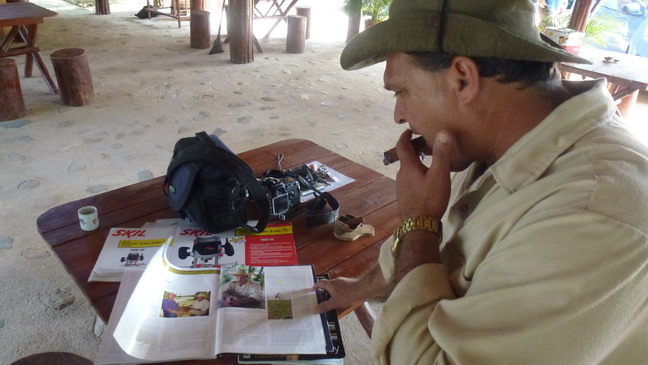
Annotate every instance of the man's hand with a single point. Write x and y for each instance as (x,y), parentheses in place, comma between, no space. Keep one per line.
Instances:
(423,191)
(343,292)
(346,291)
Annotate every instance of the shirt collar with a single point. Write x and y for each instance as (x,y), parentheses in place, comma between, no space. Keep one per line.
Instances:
(528,158)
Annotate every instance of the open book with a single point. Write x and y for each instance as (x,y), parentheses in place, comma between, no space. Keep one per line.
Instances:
(176,313)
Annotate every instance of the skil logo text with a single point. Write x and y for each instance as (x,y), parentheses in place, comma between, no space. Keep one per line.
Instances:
(195,233)
(130,233)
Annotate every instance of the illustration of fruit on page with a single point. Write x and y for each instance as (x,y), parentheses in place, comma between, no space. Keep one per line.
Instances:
(128,247)
(194,247)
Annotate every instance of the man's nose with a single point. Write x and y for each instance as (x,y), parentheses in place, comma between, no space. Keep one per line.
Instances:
(399,116)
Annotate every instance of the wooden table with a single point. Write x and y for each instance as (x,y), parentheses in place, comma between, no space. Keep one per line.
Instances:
(174,11)
(371,195)
(276,9)
(629,73)
(23,18)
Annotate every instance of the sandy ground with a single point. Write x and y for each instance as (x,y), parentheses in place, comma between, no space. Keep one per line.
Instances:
(152,89)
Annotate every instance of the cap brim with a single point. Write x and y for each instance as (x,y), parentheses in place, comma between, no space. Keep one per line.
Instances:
(464,35)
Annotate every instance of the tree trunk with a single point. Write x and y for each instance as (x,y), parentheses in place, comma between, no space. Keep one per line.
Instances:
(73,76)
(296,38)
(199,36)
(353,27)
(305,11)
(102,7)
(580,14)
(353,9)
(197,5)
(12,105)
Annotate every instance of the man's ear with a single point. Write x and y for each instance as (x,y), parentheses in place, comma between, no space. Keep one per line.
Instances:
(464,78)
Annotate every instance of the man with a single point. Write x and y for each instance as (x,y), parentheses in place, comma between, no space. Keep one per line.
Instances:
(542,256)
(169,306)
(200,306)
(243,292)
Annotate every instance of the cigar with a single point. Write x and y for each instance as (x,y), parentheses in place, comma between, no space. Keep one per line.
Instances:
(390,156)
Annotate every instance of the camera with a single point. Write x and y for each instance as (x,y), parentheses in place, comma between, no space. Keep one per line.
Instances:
(283,194)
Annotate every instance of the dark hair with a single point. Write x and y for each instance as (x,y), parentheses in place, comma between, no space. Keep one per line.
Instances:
(528,73)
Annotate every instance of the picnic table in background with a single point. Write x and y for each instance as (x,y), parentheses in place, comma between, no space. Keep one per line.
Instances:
(23,18)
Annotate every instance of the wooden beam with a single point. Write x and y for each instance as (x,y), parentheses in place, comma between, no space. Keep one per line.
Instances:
(580,14)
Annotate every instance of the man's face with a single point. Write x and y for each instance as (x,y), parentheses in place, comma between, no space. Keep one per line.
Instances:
(171,296)
(423,101)
(200,299)
(241,279)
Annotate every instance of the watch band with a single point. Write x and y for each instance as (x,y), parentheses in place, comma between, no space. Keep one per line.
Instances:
(414,224)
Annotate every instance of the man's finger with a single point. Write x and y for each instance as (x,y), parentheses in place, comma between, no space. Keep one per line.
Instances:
(442,147)
(405,149)
(324,307)
(439,172)
(321,284)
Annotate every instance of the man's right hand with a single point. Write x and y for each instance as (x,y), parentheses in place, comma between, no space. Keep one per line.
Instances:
(345,292)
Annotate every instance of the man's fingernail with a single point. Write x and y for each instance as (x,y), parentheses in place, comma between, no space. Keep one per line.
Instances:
(443,137)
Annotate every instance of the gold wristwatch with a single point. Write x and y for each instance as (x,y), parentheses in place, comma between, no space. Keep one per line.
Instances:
(414,224)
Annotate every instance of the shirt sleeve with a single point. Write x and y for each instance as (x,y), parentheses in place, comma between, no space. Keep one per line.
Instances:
(403,321)
(563,289)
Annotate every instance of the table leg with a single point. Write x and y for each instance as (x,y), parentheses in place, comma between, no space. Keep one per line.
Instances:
(282,13)
(177,9)
(258,45)
(8,39)
(28,35)
(366,317)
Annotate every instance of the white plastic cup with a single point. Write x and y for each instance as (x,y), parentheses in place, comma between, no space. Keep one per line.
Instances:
(88,218)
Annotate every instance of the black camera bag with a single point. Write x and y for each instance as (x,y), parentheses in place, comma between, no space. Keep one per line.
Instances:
(209,184)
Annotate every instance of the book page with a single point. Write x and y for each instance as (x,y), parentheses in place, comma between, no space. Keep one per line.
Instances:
(109,351)
(195,247)
(171,313)
(128,247)
(283,322)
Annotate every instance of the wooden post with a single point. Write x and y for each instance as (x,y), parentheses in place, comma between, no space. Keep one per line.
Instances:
(12,105)
(305,11)
(296,38)
(102,7)
(73,76)
(353,27)
(197,5)
(580,14)
(354,13)
(199,36)
(240,32)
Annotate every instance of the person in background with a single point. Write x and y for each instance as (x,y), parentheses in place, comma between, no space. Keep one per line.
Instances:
(169,306)
(243,292)
(200,306)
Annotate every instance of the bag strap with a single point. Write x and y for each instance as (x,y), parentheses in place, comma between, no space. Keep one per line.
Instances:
(318,215)
(209,153)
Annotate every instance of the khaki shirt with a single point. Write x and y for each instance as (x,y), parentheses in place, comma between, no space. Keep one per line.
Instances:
(546,254)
